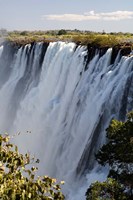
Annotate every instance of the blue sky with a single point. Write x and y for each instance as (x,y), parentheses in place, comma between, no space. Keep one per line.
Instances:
(93,15)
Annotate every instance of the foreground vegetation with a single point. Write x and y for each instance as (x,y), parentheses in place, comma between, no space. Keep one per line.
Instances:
(118,155)
(80,37)
(18,181)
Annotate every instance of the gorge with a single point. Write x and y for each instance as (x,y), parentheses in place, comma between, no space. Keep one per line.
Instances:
(61,97)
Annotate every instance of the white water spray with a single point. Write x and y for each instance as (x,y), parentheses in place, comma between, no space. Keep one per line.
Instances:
(65,107)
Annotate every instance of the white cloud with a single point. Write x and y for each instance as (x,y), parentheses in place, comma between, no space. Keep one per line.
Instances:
(117,15)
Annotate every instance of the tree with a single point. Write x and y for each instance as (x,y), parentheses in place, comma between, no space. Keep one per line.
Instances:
(18,181)
(24,33)
(118,154)
(108,190)
(62,32)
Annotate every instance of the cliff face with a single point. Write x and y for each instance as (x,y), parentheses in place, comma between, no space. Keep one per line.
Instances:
(124,49)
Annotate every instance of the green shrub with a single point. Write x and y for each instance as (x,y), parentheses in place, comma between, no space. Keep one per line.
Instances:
(107,190)
(18,181)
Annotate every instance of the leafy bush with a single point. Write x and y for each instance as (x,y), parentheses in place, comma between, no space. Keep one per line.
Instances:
(118,154)
(18,181)
(108,190)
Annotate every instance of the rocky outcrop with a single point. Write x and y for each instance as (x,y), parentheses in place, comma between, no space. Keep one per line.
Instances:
(124,49)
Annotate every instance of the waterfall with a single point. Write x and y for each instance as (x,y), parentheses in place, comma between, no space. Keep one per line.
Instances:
(1,49)
(61,104)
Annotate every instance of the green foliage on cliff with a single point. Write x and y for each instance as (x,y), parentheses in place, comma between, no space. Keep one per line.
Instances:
(118,154)
(81,37)
(18,181)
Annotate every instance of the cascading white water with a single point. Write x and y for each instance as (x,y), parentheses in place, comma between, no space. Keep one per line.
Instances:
(65,107)
(1,49)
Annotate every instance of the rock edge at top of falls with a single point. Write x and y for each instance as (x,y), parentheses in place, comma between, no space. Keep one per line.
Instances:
(125,48)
